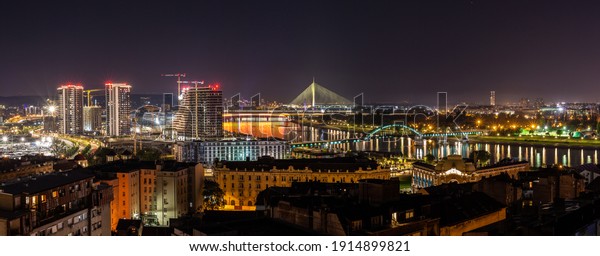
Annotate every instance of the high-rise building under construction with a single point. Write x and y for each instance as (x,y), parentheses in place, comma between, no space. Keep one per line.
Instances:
(200,115)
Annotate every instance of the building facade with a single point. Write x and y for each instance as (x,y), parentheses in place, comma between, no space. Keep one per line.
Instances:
(152,192)
(70,109)
(359,210)
(13,168)
(118,109)
(548,185)
(172,194)
(92,118)
(243,180)
(56,204)
(128,198)
(456,169)
(230,150)
(167,104)
(51,123)
(200,115)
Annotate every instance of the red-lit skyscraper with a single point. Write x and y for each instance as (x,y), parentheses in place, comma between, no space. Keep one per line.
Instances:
(70,109)
(118,108)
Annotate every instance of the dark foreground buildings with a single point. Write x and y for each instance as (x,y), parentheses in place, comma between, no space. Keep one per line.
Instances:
(348,196)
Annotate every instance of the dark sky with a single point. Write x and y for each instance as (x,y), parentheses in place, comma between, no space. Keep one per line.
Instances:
(393,51)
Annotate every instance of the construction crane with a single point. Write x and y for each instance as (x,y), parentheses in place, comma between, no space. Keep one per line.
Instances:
(179,76)
(89,99)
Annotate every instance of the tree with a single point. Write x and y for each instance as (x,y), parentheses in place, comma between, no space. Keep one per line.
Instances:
(86,150)
(72,151)
(480,156)
(213,196)
(58,148)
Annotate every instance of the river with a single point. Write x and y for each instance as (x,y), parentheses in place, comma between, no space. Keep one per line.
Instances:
(537,155)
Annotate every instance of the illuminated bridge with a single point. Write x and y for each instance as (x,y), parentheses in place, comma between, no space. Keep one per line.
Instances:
(367,137)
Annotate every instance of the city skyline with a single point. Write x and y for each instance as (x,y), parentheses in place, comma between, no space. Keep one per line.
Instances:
(412,49)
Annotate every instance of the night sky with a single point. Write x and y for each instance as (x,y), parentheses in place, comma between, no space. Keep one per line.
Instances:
(393,51)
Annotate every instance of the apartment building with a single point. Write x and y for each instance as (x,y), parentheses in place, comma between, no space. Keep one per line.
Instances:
(61,203)
(243,180)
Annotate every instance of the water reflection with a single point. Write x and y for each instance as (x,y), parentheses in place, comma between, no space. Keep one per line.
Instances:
(537,155)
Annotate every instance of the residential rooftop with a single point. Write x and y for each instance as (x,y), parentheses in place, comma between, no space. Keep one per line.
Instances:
(318,164)
(36,184)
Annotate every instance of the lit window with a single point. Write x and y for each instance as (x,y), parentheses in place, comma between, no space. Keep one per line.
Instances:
(54,194)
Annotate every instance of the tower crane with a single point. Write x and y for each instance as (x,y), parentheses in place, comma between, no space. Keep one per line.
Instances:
(89,99)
